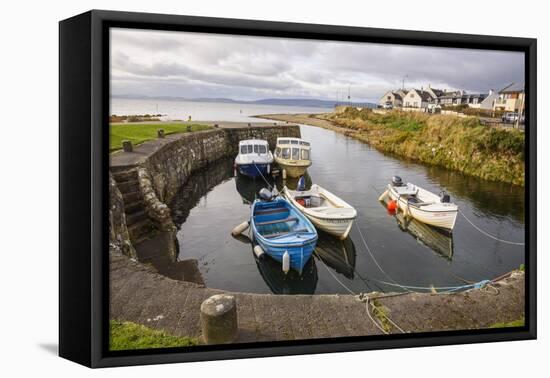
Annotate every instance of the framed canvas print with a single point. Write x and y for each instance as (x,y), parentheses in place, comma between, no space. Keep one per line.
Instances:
(234,188)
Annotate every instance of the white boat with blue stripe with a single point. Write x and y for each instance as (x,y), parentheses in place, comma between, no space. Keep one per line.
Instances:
(254,158)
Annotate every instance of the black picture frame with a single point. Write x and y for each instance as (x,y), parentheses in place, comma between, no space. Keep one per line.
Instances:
(83,197)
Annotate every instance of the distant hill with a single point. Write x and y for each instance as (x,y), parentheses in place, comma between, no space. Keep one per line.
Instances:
(302,102)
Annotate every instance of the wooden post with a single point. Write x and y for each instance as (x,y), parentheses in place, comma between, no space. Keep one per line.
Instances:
(127,146)
(160,133)
(219,319)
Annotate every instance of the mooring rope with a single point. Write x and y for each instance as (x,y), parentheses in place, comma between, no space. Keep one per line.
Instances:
(363,297)
(488,234)
(376,261)
(260,172)
(407,288)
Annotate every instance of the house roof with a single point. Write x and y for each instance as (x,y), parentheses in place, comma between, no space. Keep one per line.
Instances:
(424,95)
(438,92)
(398,95)
(513,88)
(453,94)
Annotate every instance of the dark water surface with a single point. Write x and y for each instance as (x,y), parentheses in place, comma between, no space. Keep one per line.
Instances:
(213,202)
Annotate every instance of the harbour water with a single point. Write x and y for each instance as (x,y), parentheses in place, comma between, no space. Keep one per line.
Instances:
(413,254)
(174,109)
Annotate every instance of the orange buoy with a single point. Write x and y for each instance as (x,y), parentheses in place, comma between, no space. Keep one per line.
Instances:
(392,206)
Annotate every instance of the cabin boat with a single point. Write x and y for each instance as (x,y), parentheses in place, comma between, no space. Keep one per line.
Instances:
(424,206)
(282,232)
(324,209)
(254,158)
(293,155)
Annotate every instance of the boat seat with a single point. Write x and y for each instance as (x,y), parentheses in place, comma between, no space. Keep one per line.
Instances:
(408,190)
(271,211)
(274,235)
(290,219)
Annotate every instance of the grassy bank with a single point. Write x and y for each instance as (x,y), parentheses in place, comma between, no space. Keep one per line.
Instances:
(128,336)
(139,133)
(461,144)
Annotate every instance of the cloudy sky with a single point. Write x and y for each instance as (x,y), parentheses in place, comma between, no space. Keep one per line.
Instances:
(159,63)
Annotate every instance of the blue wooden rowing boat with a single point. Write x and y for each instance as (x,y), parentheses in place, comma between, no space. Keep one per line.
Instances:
(279,228)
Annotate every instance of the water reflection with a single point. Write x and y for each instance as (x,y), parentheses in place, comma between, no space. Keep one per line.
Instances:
(493,198)
(337,254)
(197,186)
(278,281)
(437,240)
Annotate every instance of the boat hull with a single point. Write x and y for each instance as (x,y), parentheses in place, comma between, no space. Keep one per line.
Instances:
(299,237)
(293,170)
(338,225)
(335,227)
(441,219)
(254,170)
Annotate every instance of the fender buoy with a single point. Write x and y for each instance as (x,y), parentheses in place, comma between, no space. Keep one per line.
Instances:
(240,228)
(392,206)
(286,262)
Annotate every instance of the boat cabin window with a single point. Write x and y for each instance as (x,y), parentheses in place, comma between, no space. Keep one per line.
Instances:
(262,149)
(256,149)
(278,151)
(285,153)
(294,142)
(304,143)
(295,153)
(305,154)
(283,141)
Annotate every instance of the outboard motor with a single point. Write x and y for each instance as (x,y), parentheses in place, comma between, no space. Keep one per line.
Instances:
(301,184)
(444,197)
(265,194)
(396,181)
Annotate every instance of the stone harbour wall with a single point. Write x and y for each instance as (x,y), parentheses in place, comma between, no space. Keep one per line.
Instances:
(162,166)
(171,166)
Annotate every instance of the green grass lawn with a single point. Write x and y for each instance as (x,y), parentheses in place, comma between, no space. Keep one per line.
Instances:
(128,336)
(515,323)
(139,133)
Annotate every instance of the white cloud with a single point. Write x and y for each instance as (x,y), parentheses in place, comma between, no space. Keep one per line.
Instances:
(159,63)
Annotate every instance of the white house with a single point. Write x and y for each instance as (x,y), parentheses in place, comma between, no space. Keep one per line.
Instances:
(393,98)
(487,103)
(418,98)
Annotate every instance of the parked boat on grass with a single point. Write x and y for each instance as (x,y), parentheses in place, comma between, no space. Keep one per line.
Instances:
(324,209)
(293,155)
(425,206)
(282,231)
(254,158)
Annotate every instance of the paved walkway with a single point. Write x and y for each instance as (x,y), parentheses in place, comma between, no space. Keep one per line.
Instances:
(140,295)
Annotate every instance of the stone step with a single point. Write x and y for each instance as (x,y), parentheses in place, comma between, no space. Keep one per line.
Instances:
(136,217)
(133,207)
(130,197)
(128,186)
(140,230)
(124,175)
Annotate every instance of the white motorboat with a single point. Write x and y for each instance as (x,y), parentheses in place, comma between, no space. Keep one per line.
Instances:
(424,206)
(324,209)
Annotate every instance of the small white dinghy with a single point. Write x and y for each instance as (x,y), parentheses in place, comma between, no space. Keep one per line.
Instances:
(324,209)
(425,206)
